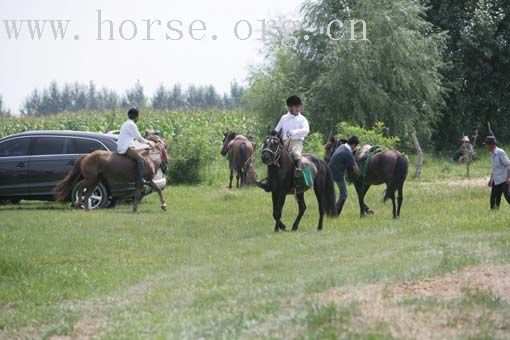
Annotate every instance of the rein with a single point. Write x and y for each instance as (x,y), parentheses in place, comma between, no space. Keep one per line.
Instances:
(276,154)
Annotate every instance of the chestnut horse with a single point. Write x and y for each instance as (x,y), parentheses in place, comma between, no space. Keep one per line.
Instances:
(239,151)
(100,165)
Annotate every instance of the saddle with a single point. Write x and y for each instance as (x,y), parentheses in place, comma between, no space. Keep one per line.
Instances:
(363,156)
(305,181)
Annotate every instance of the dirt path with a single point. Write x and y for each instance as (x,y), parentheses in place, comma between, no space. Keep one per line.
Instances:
(453,305)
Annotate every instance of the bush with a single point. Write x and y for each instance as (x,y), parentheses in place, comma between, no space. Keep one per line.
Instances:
(374,136)
(314,144)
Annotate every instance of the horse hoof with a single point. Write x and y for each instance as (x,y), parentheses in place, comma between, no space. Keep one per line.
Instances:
(370,212)
(163,207)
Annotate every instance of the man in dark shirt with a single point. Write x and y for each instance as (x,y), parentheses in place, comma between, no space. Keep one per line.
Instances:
(342,160)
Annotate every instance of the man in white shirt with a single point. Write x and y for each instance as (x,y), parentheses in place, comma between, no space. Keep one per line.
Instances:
(128,134)
(294,128)
(500,177)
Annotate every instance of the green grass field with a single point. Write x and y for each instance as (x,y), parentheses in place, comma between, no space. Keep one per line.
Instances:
(211,266)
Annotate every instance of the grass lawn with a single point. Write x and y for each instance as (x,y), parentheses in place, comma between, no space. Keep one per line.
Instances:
(211,266)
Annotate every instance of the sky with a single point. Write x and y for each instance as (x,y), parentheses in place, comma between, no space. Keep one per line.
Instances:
(27,64)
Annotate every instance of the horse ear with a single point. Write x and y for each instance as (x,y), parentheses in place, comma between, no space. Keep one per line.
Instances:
(280,133)
(268,130)
(332,140)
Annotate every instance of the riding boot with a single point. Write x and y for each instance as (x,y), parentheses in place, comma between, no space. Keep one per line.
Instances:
(264,185)
(339,207)
(299,168)
(140,182)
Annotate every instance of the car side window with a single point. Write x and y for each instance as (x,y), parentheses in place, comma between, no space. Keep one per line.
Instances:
(48,146)
(14,147)
(83,146)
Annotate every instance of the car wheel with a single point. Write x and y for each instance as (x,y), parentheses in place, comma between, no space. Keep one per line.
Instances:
(99,198)
(112,203)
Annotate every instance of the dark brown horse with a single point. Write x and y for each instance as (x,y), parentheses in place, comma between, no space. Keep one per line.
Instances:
(239,150)
(280,169)
(89,170)
(389,167)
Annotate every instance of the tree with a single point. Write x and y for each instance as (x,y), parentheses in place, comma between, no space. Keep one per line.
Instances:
(3,111)
(160,99)
(477,65)
(393,77)
(135,97)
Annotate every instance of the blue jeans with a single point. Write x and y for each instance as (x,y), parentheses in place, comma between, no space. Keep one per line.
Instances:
(342,186)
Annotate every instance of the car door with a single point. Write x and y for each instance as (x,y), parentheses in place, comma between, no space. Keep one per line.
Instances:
(14,159)
(49,164)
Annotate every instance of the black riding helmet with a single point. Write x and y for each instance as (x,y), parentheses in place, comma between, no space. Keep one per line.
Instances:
(294,101)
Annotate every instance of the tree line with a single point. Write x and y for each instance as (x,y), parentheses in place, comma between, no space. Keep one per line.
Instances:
(77,97)
(440,67)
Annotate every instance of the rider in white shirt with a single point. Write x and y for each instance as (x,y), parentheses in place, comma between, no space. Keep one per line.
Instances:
(294,128)
(128,134)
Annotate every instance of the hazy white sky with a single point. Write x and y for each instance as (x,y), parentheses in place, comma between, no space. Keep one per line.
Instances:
(26,64)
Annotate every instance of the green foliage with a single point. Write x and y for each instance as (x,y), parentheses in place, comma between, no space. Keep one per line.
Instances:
(374,136)
(314,144)
(477,64)
(392,77)
(194,138)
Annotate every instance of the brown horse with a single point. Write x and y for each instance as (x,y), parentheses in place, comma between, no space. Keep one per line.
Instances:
(239,151)
(89,170)
(387,167)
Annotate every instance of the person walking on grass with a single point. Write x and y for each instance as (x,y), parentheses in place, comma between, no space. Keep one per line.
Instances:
(342,160)
(500,177)
(128,134)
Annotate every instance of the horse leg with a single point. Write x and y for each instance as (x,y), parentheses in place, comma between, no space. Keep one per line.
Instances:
(231,178)
(359,190)
(89,187)
(394,206)
(367,210)
(400,198)
(136,199)
(237,178)
(321,208)
(278,202)
(160,193)
(302,208)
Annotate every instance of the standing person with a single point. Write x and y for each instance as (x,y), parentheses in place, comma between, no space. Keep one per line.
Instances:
(128,134)
(465,150)
(500,177)
(342,160)
(294,128)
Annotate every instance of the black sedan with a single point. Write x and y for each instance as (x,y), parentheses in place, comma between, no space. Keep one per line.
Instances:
(32,163)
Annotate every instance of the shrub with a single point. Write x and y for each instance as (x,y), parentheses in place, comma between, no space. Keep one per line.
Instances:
(374,136)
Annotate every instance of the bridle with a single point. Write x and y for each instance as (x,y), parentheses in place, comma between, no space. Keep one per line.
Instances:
(277,153)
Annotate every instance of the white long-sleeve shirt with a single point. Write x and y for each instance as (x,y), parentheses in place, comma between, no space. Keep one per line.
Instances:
(128,133)
(294,126)
(500,166)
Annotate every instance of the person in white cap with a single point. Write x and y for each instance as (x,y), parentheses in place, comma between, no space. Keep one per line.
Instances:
(465,150)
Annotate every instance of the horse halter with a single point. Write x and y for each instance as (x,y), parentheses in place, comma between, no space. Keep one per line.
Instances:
(277,153)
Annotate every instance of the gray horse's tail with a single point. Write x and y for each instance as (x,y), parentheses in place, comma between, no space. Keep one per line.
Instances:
(399,176)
